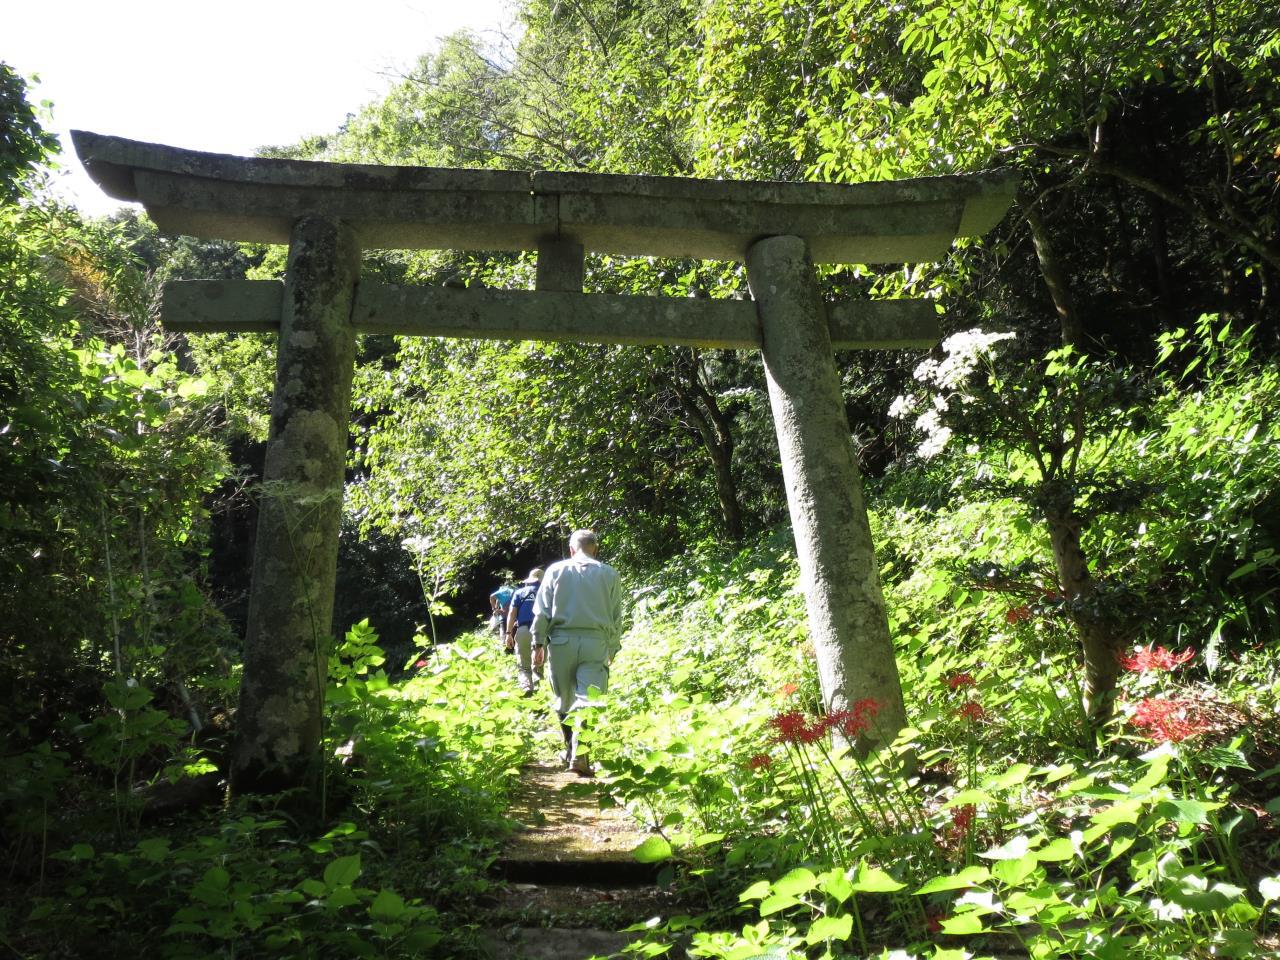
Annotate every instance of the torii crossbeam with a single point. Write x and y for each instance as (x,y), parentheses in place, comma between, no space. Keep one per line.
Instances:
(329,212)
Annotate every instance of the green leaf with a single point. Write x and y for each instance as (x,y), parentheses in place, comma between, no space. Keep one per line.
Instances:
(836,885)
(874,880)
(777,902)
(192,388)
(706,839)
(967,877)
(975,797)
(1186,811)
(963,925)
(830,928)
(1013,872)
(342,872)
(387,905)
(653,850)
(798,881)
(1126,811)
(757,891)
(1012,777)
(1056,850)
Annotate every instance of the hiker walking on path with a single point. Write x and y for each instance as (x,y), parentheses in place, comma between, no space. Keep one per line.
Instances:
(578,614)
(520,631)
(499,601)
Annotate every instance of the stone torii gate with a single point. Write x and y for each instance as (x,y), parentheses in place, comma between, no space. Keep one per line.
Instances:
(328,213)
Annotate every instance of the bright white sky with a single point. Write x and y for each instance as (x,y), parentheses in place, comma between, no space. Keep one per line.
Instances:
(221,75)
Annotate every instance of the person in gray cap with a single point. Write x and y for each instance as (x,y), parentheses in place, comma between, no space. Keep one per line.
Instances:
(520,631)
(578,615)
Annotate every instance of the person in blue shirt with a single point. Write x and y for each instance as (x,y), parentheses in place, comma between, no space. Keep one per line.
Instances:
(520,631)
(499,601)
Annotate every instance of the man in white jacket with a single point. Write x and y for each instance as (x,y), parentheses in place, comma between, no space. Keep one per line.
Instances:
(578,614)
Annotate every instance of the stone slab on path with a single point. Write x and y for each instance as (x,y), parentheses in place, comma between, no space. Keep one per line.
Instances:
(566,838)
(572,879)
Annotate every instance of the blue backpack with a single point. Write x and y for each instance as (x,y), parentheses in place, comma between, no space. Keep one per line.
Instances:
(523,600)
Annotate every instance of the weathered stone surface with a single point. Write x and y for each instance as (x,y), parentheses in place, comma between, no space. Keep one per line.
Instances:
(206,306)
(222,306)
(847,622)
(295,555)
(237,198)
(560,265)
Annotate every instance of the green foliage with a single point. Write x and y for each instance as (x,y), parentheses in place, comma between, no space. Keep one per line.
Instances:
(1010,827)
(421,786)
(107,458)
(24,144)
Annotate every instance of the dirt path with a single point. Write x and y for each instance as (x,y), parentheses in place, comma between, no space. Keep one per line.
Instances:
(572,881)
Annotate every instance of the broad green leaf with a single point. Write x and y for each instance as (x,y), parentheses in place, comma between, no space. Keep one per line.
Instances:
(1126,811)
(706,839)
(192,388)
(1012,777)
(1186,811)
(1013,872)
(975,797)
(387,905)
(963,925)
(798,881)
(830,928)
(967,877)
(836,884)
(653,850)
(1056,850)
(773,904)
(874,880)
(757,891)
(342,872)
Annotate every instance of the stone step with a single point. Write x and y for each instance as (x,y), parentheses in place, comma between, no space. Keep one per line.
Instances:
(539,943)
(573,873)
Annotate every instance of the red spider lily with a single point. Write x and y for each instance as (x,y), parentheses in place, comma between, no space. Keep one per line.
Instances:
(1017,614)
(813,733)
(847,722)
(420,664)
(958,680)
(787,689)
(1154,658)
(866,708)
(1168,719)
(972,711)
(962,817)
(791,726)
(761,761)
(853,721)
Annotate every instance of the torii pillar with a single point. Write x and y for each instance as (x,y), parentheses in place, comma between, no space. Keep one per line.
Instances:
(326,212)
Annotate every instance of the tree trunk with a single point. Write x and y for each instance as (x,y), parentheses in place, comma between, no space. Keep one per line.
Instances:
(1099,644)
(715,429)
(1055,279)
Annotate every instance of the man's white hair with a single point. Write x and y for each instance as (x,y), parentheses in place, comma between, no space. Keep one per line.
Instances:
(584,540)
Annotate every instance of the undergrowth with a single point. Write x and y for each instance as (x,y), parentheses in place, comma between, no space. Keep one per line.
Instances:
(417,786)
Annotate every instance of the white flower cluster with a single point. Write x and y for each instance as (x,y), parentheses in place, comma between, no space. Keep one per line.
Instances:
(962,352)
(944,376)
(418,546)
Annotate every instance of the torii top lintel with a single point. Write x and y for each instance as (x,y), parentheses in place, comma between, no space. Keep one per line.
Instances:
(219,196)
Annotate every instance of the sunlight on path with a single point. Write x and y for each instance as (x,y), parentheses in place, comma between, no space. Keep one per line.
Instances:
(572,878)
